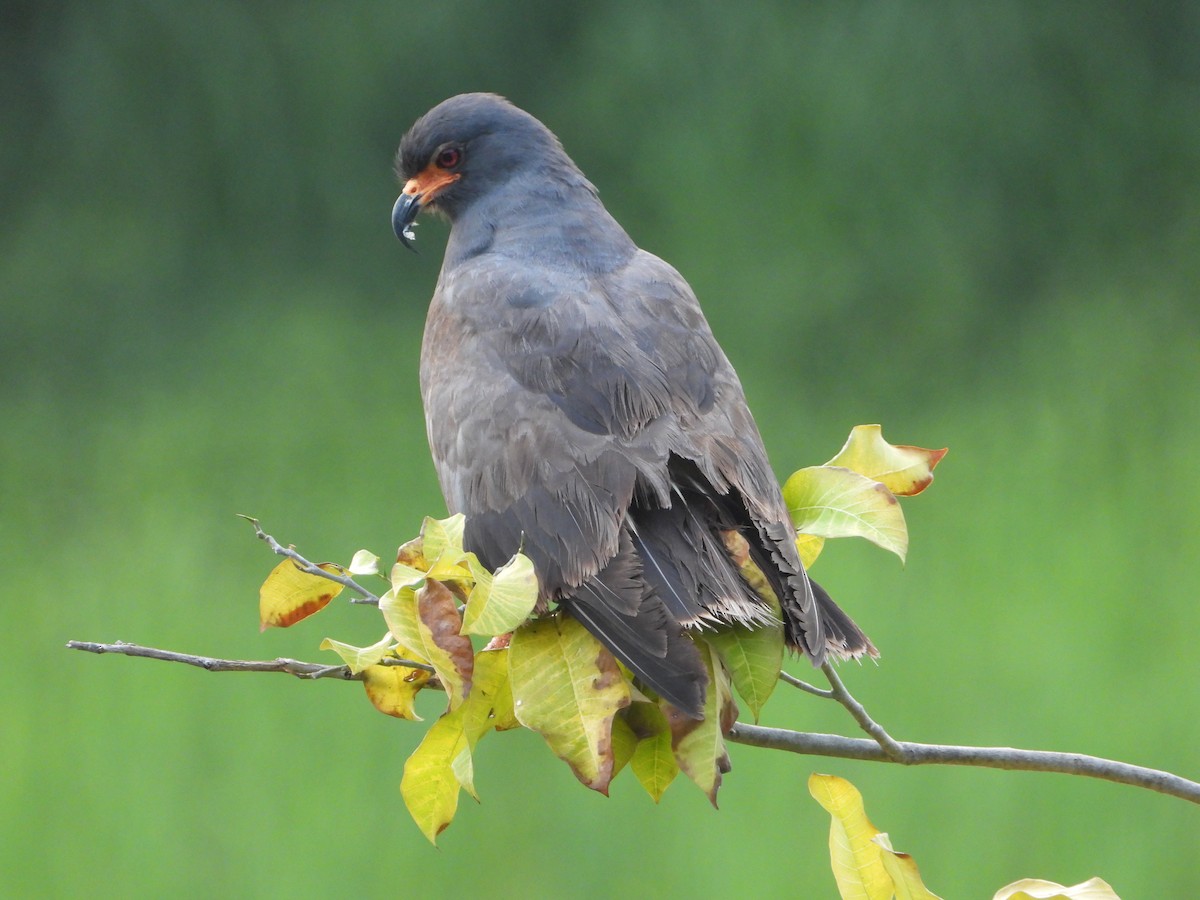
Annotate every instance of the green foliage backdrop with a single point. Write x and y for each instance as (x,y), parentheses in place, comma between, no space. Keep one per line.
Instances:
(978,224)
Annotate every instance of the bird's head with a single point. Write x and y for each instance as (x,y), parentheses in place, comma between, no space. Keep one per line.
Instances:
(460,150)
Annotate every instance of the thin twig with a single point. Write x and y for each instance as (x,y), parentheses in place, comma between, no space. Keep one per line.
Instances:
(893,748)
(290,666)
(311,568)
(914,754)
(788,678)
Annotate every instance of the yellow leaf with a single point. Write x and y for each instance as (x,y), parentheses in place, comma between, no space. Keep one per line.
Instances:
(809,546)
(902,869)
(404,576)
(392,689)
(857,861)
(500,602)
(430,784)
(442,540)
(904,470)
(834,502)
(1036,889)
(568,688)
(699,746)
(358,658)
(289,595)
(399,609)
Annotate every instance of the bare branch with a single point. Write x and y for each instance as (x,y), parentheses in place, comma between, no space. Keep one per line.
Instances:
(310,568)
(290,666)
(913,754)
(843,696)
(831,745)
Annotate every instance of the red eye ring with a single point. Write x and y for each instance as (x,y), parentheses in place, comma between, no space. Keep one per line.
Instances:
(448,158)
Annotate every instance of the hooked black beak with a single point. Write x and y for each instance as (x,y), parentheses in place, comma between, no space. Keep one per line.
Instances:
(404,214)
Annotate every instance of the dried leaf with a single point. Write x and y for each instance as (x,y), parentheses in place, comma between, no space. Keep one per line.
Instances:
(567,687)
(427,623)
(500,602)
(857,861)
(904,470)
(450,652)
(834,502)
(290,595)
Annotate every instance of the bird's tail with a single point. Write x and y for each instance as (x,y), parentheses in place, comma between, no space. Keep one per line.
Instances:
(843,638)
(628,618)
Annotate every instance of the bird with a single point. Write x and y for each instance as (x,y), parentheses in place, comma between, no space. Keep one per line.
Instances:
(580,410)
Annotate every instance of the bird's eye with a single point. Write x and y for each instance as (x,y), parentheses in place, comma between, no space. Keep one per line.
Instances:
(448,158)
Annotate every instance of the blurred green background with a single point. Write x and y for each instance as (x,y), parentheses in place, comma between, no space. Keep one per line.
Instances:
(977,224)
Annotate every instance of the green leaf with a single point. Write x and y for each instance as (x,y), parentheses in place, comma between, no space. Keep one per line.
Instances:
(500,602)
(857,861)
(567,687)
(834,502)
(754,657)
(653,759)
(700,745)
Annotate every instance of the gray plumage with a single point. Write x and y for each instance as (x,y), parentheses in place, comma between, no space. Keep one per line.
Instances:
(580,409)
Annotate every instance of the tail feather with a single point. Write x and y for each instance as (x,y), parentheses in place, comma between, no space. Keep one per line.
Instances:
(843,638)
(640,631)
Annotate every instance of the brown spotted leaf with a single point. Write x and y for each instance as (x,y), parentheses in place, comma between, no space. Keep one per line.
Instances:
(449,651)
(426,622)
(905,470)
(289,594)
(567,687)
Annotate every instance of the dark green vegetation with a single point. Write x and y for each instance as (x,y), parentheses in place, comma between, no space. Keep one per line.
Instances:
(979,225)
